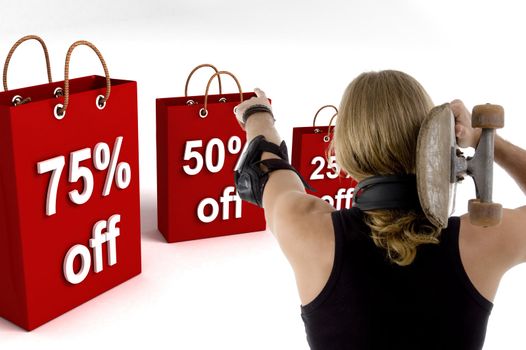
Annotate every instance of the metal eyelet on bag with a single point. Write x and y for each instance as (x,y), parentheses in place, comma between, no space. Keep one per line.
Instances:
(317,131)
(203,113)
(222,100)
(100,102)
(190,102)
(16,100)
(58,92)
(59,111)
(326,138)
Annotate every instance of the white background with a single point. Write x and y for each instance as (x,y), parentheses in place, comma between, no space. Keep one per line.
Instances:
(238,292)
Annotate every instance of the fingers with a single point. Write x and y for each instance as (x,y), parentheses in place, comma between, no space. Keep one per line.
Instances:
(260,93)
(457,107)
(459,110)
(463,130)
(260,98)
(460,131)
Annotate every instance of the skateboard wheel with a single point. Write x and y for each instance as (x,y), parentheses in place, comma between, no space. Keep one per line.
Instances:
(484,214)
(487,116)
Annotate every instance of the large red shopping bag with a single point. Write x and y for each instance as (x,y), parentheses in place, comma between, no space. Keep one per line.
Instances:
(311,157)
(198,144)
(69,194)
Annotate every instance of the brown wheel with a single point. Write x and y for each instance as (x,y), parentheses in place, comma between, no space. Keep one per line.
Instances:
(488,116)
(484,214)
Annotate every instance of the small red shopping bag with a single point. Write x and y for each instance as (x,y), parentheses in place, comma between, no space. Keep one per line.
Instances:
(69,194)
(198,144)
(311,157)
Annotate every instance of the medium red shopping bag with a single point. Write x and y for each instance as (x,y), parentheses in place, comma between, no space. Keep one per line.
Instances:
(69,194)
(198,143)
(311,157)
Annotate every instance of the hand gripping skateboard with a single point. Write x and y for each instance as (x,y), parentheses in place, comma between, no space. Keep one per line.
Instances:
(440,165)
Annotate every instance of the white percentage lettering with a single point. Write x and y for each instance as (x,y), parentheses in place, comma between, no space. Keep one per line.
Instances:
(77,172)
(214,147)
(234,145)
(209,155)
(103,159)
(317,175)
(55,165)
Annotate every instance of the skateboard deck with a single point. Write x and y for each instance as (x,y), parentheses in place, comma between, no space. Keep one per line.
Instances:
(435,148)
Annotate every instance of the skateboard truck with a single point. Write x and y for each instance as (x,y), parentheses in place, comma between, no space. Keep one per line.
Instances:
(440,165)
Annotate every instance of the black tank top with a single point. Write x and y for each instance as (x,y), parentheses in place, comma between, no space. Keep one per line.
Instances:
(370,303)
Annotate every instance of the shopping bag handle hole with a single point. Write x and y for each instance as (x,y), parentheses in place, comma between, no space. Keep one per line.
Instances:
(58,92)
(203,113)
(59,111)
(16,100)
(19,100)
(190,102)
(222,100)
(100,102)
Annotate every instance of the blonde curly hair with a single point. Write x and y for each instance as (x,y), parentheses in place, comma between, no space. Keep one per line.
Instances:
(378,122)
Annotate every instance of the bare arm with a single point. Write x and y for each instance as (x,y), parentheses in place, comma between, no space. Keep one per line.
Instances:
(300,222)
(284,193)
(506,241)
(512,159)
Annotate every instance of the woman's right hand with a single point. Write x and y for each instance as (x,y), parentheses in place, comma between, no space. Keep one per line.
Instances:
(467,136)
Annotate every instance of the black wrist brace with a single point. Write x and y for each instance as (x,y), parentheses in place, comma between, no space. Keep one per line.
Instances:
(250,179)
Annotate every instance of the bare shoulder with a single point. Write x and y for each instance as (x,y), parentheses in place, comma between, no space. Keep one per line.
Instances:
(506,242)
(303,225)
(303,228)
(488,252)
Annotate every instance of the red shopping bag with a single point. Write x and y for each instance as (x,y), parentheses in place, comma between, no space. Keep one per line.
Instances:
(198,144)
(69,194)
(310,156)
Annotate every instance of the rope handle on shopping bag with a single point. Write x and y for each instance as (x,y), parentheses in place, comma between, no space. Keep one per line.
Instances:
(18,99)
(327,137)
(203,112)
(12,51)
(191,102)
(321,109)
(60,109)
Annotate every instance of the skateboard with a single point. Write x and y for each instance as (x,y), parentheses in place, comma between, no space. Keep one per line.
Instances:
(440,165)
